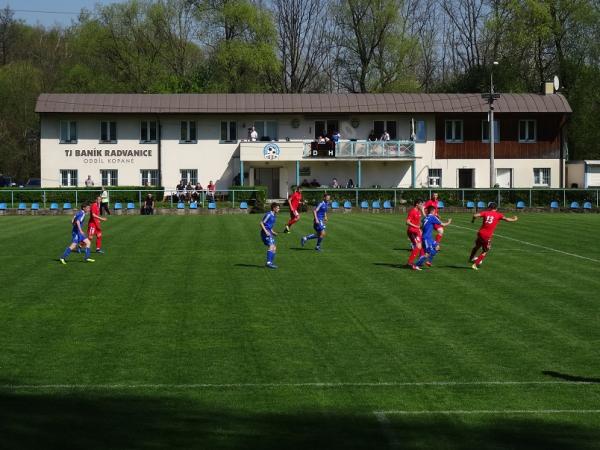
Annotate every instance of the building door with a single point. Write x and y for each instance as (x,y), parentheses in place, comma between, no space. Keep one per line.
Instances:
(466,178)
(266,176)
(504,178)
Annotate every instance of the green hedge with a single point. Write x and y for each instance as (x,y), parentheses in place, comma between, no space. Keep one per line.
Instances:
(256,197)
(72,195)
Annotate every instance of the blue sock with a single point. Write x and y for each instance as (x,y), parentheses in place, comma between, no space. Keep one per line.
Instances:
(66,253)
(87,252)
(421,261)
(270,257)
(311,236)
(319,240)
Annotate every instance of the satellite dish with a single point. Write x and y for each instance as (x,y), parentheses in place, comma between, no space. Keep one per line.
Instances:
(556,83)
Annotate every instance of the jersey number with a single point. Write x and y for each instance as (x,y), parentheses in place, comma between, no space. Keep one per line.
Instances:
(489,219)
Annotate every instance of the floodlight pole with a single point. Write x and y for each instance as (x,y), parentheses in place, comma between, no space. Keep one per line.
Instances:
(490,98)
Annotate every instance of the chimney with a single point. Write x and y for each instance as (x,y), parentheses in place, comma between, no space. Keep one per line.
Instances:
(548,88)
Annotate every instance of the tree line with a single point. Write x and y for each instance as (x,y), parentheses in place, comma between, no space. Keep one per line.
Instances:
(295,46)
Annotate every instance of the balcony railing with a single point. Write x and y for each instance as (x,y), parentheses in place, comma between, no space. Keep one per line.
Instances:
(360,149)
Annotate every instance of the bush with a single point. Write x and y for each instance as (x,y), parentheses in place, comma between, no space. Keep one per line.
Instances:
(255,196)
(78,195)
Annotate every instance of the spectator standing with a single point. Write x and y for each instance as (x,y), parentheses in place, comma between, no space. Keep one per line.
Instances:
(335,184)
(104,201)
(385,136)
(253,134)
(148,208)
(350,184)
(372,136)
(89,182)
(212,187)
(336,136)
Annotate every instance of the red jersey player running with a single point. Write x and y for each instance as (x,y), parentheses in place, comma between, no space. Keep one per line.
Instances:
(491,217)
(439,230)
(94,224)
(413,220)
(294,202)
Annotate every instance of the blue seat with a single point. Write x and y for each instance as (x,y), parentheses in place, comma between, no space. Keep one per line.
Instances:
(212,205)
(470,205)
(387,205)
(441,204)
(118,206)
(335,205)
(347,204)
(244,205)
(180,205)
(480,205)
(194,205)
(520,204)
(3,207)
(130,206)
(22,207)
(574,205)
(364,205)
(554,205)
(376,206)
(53,206)
(67,206)
(587,205)
(35,206)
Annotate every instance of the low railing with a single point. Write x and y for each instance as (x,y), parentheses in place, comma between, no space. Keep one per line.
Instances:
(361,149)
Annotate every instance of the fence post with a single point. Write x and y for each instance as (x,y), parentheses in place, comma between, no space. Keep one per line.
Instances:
(395,201)
(463,198)
(233,198)
(356,200)
(498,198)
(564,198)
(76,199)
(12,199)
(530,198)
(44,197)
(597,199)
(171,197)
(140,198)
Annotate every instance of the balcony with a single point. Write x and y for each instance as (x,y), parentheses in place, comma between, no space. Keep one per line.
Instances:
(360,149)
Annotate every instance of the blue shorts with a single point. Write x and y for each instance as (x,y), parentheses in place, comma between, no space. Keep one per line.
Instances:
(77,237)
(430,247)
(267,240)
(319,226)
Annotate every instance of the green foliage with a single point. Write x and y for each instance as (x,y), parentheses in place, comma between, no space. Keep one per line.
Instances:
(256,196)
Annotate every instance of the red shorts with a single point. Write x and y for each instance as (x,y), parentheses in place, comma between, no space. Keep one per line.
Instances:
(485,242)
(93,230)
(415,238)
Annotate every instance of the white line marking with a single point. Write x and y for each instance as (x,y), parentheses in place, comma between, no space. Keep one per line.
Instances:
(488,411)
(387,429)
(534,245)
(293,385)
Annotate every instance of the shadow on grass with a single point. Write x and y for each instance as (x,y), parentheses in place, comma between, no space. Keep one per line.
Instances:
(408,250)
(302,249)
(455,266)
(254,266)
(567,377)
(119,421)
(393,265)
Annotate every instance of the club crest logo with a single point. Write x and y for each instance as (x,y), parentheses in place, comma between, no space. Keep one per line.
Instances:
(271,152)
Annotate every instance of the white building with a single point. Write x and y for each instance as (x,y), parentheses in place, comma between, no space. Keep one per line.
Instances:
(438,140)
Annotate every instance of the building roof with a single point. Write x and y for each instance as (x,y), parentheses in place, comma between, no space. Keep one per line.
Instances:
(297,103)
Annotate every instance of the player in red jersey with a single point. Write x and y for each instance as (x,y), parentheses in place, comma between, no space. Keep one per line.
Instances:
(491,217)
(413,221)
(439,230)
(294,202)
(94,224)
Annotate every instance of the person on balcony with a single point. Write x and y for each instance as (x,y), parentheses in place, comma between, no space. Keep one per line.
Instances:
(335,184)
(350,184)
(336,136)
(253,134)
(372,136)
(385,136)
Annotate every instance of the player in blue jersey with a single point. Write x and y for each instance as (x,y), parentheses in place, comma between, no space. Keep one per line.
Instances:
(78,237)
(431,246)
(267,234)
(319,224)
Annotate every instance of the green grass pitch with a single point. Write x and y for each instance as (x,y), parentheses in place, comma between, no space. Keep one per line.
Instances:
(178,337)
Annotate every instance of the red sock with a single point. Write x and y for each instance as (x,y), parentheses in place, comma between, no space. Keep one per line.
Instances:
(99,240)
(438,238)
(480,259)
(415,252)
(293,221)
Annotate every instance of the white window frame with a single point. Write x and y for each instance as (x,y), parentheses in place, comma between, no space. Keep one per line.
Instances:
(189,175)
(432,175)
(386,127)
(109,177)
(148,138)
(147,177)
(266,128)
(70,124)
(541,174)
(454,139)
(110,138)
(189,139)
(485,128)
(71,176)
(229,139)
(526,123)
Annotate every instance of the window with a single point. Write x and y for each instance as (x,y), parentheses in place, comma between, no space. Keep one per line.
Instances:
(435,178)
(228,131)
(68,177)
(379,126)
(109,177)
(485,131)
(189,176)
(266,129)
(527,130)
(454,130)
(188,132)
(420,131)
(149,177)
(148,132)
(541,177)
(108,132)
(68,132)
(326,127)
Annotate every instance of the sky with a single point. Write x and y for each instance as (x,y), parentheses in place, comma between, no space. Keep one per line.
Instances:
(23,10)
